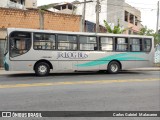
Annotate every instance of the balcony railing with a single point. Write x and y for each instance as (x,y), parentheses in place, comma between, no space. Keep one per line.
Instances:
(15,5)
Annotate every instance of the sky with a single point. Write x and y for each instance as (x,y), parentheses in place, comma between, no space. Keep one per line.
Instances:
(148,9)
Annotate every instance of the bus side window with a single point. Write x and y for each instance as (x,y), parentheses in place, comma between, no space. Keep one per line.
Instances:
(88,43)
(106,43)
(121,44)
(135,44)
(67,42)
(147,44)
(44,41)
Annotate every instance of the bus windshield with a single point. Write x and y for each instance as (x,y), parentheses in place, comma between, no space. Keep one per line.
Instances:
(20,43)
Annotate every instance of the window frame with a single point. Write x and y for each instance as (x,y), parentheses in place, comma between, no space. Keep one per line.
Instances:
(72,42)
(126,16)
(150,44)
(113,42)
(44,40)
(141,44)
(97,43)
(115,48)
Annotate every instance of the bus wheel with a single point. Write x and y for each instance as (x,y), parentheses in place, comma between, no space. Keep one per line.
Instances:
(42,69)
(113,67)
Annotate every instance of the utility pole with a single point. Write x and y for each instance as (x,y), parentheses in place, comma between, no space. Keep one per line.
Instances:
(97,16)
(83,16)
(157,18)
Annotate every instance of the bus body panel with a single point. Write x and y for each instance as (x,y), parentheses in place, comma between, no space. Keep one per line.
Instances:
(127,59)
(79,60)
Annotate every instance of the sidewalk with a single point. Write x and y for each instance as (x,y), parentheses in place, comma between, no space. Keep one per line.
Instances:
(3,72)
(146,69)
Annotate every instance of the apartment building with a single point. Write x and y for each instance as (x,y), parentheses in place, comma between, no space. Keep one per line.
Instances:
(110,10)
(132,19)
(18,4)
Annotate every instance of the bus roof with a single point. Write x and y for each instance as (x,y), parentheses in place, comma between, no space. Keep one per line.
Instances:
(76,33)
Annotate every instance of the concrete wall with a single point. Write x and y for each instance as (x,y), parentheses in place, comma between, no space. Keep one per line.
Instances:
(115,11)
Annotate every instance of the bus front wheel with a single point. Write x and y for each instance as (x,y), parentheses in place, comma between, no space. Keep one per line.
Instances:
(113,67)
(42,69)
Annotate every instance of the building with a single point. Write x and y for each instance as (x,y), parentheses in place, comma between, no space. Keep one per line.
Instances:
(18,4)
(75,9)
(132,19)
(111,10)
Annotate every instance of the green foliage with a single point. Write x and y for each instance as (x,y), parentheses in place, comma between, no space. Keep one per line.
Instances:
(150,32)
(116,29)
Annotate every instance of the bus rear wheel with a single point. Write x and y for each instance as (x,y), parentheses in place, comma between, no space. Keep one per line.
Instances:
(42,69)
(113,67)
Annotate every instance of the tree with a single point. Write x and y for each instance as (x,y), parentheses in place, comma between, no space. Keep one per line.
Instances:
(150,32)
(116,29)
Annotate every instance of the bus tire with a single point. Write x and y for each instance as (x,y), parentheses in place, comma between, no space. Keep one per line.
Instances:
(42,69)
(113,67)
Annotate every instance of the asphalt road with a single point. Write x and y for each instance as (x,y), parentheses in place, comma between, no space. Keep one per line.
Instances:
(90,91)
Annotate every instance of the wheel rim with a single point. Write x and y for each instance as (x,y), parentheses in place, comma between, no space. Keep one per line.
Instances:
(42,69)
(114,67)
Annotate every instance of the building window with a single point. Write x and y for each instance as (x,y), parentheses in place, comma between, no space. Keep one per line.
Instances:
(147,44)
(106,43)
(131,18)
(87,43)
(44,41)
(126,16)
(121,44)
(136,21)
(135,44)
(129,31)
(67,42)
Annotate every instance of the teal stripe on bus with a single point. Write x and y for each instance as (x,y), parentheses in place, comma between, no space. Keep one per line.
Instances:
(106,60)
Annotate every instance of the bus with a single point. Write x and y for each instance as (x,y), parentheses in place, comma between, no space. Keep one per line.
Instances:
(45,51)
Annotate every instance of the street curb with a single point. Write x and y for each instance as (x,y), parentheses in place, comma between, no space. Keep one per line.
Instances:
(3,72)
(143,70)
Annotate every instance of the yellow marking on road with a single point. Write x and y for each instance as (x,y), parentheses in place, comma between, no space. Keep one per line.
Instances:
(77,82)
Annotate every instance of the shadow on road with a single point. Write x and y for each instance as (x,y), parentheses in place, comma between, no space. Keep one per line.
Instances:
(76,74)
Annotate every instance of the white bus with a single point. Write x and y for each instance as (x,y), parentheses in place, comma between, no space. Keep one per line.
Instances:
(45,51)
